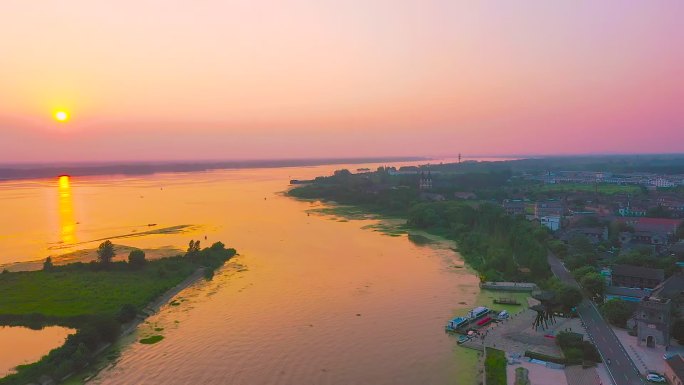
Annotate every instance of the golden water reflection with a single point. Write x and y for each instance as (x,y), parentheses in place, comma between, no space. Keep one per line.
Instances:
(67,223)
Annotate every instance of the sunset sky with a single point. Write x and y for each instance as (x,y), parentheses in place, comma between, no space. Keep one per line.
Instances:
(158,80)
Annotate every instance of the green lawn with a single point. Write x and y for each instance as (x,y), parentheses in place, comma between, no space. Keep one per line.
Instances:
(495,366)
(79,292)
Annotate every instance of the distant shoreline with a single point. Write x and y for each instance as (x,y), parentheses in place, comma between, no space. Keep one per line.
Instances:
(34,171)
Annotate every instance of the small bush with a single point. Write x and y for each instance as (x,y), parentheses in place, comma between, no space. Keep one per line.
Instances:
(151,340)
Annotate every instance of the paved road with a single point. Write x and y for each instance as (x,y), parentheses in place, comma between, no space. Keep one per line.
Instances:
(622,370)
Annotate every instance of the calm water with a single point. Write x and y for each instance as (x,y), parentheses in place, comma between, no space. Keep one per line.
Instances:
(311,299)
(23,346)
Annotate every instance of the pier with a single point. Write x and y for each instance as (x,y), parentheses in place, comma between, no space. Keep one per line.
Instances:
(508,286)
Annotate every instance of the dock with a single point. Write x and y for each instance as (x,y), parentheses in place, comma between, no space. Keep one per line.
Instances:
(506,301)
(508,286)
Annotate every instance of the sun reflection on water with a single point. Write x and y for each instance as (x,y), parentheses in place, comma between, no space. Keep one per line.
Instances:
(67,223)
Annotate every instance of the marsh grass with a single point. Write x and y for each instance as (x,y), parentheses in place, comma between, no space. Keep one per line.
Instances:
(78,291)
(151,339)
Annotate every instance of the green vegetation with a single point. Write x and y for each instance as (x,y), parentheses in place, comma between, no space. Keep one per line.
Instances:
(136,259)
(495,366)
(576,350)
(95,298)
(76,290)
(151,340)
(645,257)
(521,376)
(499,246)
(105,253)
(617,311)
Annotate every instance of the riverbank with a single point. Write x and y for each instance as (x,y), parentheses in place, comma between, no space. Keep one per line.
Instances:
(102,302)
(107,353)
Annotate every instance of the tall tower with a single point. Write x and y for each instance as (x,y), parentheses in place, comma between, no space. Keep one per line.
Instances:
(653,322)
(425,182)
(459,157)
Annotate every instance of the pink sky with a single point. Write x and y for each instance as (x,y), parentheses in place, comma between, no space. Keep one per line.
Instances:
(156,80)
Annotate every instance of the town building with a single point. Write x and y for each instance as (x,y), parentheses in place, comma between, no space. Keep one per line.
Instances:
(636,276)
(553,222)
(425,182)
(653,324)
(674,369)
(626,293)
(514,206)
(548,209)
(673,289)
(594,234)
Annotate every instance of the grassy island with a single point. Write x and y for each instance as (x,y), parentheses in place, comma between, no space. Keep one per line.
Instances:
(95,298)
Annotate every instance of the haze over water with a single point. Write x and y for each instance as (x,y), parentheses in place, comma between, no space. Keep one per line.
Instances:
(311,298)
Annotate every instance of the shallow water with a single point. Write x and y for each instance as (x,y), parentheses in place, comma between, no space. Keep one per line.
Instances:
(311,299)
(20,345)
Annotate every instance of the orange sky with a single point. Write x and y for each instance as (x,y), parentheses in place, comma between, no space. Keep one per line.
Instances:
(271,79)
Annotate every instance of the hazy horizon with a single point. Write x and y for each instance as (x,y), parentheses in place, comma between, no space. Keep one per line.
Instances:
(177,81)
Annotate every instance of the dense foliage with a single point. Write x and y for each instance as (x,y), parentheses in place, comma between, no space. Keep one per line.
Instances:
(575,349)
(617,311)
(499,246)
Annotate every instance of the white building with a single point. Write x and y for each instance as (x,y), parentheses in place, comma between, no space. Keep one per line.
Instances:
(553,222)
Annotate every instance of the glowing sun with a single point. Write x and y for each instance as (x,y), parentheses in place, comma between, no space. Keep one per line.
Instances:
(61,116)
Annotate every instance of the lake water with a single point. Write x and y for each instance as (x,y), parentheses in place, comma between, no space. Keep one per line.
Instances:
(20,345)
(311,299)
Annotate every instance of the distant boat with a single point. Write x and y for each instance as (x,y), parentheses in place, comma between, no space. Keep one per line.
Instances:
(478,312)
(298,181)
(463,339)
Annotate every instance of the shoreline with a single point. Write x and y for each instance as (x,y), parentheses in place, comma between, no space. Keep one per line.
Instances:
(34,171)
(102,362)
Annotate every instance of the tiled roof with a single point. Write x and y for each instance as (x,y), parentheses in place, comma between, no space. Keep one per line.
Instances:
(638,271)
(626,292)
(676,363)
(671,288)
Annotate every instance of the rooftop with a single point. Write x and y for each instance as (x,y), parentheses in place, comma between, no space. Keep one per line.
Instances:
(638,271)
(671,287)
(627,292)
(676,363)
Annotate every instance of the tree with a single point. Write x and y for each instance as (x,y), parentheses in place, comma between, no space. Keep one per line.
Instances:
(193,248)
(582,271)
(617,311)
(580,244)
(136,259)
(47,265)
(569,296)
(105,252)
(594,284)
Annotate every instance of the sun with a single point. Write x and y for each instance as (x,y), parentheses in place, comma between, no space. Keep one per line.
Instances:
(61,116)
